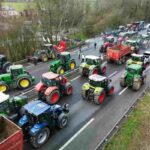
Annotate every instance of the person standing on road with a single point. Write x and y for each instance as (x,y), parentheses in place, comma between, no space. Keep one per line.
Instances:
(95,45)
(79,52)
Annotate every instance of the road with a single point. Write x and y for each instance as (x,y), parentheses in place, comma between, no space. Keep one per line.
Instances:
(89,123)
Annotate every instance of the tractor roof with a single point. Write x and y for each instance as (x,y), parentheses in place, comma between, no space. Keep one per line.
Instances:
(131,41)
(91,57)
(65,53)
(97,77)
(3,97)
(137,55)
(2,56)
(36,107)
(16,66)
(145,35)
(50,75)
(147,52)
(134,66)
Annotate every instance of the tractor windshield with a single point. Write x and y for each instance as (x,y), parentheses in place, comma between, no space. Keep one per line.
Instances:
(48,82)
(131,70)
(91,61)
(134,58)
(94,83)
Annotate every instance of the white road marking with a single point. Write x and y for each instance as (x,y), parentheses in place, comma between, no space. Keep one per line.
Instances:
(75,78)
(114,73)
(75,135)
(123,91)
(71,71)
(27,91)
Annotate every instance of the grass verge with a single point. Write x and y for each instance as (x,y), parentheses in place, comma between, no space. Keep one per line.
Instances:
(135,132)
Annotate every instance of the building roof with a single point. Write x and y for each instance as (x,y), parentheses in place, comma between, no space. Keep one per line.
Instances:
(97,77)
(50,75)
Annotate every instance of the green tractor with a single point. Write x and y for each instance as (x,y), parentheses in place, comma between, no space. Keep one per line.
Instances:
(92,65)
(17,77)
(4,64)
(43,54)
(64,63)
(97,89)
(139,59)
(134,77)
(12,107)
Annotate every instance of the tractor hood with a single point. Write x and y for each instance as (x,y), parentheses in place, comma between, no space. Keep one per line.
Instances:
(7,75)
(87,86)
(85,65)
(130,61)
(53,63)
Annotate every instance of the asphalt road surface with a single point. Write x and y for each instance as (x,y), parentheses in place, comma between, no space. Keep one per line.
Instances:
(88,123)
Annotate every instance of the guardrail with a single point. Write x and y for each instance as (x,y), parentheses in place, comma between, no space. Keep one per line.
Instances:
(115,128)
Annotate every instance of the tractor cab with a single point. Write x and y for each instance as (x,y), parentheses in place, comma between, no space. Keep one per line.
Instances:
(92,60)
(133,44)
(65,57)
(137,57)
(3,59)
(47,46)
(16,70)
(110,39)
(134,69)
(98,81)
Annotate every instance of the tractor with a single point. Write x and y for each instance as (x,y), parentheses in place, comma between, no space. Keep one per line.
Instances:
(92,65)
(97,89)
(46,52)
(17,77)
(11,107)
(4,64)
(40,119)
(109,42)
(139,59)
(52,87)
(134,45)
(133,77)
(63,63)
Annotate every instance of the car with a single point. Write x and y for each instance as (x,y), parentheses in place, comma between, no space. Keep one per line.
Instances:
(40,119)
(63,63)
(11,107)
(52,87)
(133,77)
(97,89)
(46,52)
(139,59)
(17,77)
(4,64)
(93,65)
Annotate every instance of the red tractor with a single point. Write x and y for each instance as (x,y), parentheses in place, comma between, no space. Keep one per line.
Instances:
(52,87)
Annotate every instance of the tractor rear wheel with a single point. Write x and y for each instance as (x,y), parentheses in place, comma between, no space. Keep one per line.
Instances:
(100,98)
(62,120)
(40,138)
(69,89)
(53,98)
(44,58)
(72,65)
(136,85)
(4,87)
(23,83)
(61,70)
(123,82)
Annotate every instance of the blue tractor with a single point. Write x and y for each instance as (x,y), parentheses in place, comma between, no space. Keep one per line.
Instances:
(40,119)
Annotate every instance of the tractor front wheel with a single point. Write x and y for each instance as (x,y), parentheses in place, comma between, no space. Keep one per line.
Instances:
(23,83)
(61,70)
(53,98)
(40,138)
(44,58)
(69,90)
(103,70)
(72,65)
(4,87)
(62,121)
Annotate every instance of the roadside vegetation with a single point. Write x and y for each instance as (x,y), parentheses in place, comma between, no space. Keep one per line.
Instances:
(134,133)
(83,19)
